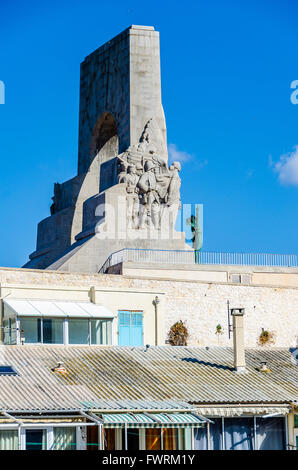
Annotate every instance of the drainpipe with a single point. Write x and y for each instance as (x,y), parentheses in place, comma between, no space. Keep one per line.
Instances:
(238,339)
(155,303)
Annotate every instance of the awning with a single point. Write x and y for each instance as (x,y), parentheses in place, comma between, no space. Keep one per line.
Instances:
(57,308)
(176,419)
(214,412)
(152,420)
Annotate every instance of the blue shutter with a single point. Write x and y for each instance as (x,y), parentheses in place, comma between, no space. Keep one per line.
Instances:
(130,326)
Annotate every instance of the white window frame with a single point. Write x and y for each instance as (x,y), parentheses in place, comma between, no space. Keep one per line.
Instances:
(80,434)
(65,330)
(142,439)
(18,323)
(49,435)
(255,440)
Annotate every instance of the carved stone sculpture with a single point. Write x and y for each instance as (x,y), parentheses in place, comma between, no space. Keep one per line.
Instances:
(149,200)
(121,127)
(153,189)
(173,193)
(132,197)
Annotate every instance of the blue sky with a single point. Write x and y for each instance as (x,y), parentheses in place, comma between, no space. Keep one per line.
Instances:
(227,67)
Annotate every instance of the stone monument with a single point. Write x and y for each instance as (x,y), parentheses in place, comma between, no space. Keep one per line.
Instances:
(125,195)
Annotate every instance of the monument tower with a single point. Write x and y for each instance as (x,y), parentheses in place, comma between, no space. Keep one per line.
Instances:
(124,195)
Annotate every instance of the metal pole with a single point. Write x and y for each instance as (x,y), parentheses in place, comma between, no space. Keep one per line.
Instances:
(287,433)
(208,436)
(223,433)
(255,434)
(125,436)
(156,302)
(100,437)
(156,327)
(19,437)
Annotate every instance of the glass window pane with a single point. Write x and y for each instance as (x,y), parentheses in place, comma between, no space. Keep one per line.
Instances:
(64,439)
(78,331)
(36,439)
(109,439)
(132,439)
(271,433)
(170,439)
(101,332)
(13,330)
(238,433)
(187,438)
(200,438)
(215,430)
(181,439)
(53,331)
(9,440)
(153,436)
(32,329)
(6,331)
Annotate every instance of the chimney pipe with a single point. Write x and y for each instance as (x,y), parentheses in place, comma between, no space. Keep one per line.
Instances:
(238,339)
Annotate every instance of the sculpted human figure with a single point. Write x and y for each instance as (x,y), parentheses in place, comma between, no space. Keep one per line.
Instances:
(131,179)
(173,195)
(163,175)
(149,197)
(139,169)
(172,198)
(123,174)
(132,196)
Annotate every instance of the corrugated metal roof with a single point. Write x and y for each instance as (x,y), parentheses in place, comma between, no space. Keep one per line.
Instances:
(160,377)
(57,308)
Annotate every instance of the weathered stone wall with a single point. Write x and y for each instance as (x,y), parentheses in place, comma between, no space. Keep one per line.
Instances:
(203,305)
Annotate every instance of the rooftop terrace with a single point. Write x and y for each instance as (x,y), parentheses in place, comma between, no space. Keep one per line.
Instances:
(191,257)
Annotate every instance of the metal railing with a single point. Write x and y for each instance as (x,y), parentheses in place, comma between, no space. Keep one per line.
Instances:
(201,257)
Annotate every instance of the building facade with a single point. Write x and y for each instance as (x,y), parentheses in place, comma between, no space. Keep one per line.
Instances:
(127,303)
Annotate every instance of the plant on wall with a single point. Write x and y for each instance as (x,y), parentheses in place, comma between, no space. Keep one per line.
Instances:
(178,334)
(266,337)
(219,329)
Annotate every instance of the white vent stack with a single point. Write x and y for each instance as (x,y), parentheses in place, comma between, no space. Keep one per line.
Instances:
(238,339)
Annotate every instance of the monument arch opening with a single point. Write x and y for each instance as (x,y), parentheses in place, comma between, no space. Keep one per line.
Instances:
(104,147)
(104,137)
